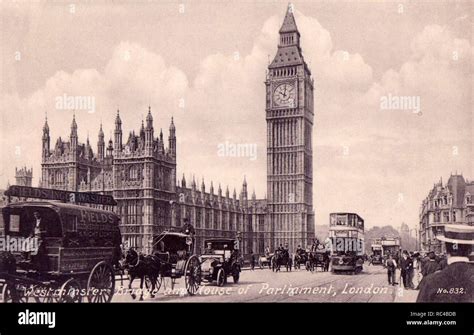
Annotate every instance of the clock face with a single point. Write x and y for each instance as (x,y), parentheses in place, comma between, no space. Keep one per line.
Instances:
(284,95)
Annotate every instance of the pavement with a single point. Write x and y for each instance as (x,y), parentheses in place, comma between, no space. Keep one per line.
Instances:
(263,285)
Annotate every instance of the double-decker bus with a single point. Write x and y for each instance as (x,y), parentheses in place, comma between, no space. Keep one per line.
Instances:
(346,239)
(384,246)
(377,252)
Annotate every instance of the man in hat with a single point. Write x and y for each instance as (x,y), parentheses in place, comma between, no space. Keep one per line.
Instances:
(430,266)
(391,265)
(455,283)
(187,228)
(406,265)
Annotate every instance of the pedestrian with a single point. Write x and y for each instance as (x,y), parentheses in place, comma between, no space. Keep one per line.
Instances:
(431,265)
(454,283)
(391,265)
(252,260)
(416,271)
(406,264)
(443,262)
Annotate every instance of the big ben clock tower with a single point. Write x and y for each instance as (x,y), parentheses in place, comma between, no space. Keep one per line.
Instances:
(289,115)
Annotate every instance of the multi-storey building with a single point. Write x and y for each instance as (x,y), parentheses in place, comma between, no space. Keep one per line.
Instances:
(448,203)
(140,172)
(23,176)
(289,114)
(141,175)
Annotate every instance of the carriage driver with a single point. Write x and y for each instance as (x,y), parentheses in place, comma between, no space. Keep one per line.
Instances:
(300,251)
(38,227)
(187,228)
(37,232)
(286,249)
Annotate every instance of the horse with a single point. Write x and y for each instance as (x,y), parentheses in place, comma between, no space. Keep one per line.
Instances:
(281,258)
(300,259)
(141,266)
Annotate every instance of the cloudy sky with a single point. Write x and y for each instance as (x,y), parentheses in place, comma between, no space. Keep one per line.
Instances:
(204,63)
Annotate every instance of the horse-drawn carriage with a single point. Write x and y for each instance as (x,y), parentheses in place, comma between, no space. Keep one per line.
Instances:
(318,259)
(301,258)
(281,257)
(220,260)
(265,260)
(57,251)
(175,253)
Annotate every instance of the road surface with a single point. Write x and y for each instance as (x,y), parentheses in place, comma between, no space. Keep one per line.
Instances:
(296,286)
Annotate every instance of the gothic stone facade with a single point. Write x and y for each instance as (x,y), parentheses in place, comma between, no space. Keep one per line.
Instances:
(23,176)
(448,203)
(141,172)
(289,114)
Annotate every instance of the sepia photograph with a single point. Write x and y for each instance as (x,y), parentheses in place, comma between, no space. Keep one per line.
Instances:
(265,151)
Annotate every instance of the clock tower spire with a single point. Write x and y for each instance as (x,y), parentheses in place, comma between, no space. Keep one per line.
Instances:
(289,115)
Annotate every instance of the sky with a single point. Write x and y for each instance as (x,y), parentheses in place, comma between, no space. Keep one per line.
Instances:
(204,63)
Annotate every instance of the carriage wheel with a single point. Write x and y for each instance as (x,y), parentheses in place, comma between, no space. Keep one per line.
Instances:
(192,275)
(221,277)
(16,294)
(101,283)
(52,296)
(7,295)
(70,292)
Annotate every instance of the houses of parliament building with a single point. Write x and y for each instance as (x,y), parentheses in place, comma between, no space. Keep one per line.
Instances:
(140,171)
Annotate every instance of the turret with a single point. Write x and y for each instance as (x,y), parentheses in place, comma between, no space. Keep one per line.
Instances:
(183,182)
(149,132)
(118,133)
(162,145)
(73,136)
(172,139)
(244,194)
(88,153)
(289,34)
(142,132)
(46,139)
(100,144)
(110,149)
